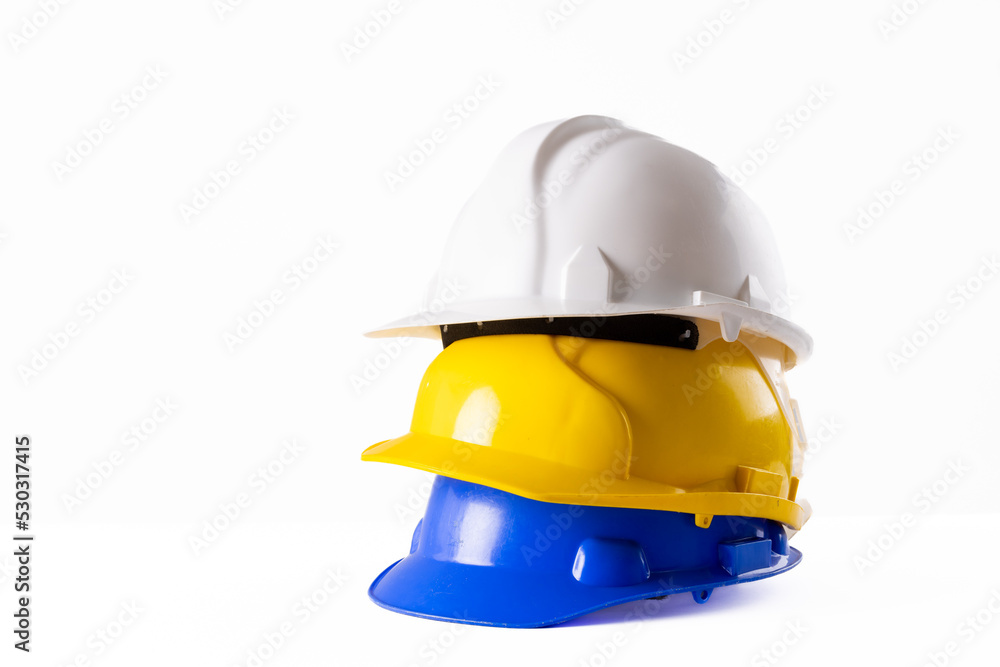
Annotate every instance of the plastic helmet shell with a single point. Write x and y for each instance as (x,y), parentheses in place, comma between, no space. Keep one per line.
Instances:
(589,217)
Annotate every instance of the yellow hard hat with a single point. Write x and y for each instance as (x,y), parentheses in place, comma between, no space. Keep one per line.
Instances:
(587,421)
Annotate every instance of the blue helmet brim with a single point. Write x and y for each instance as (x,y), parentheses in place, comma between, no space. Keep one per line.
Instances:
(481,556)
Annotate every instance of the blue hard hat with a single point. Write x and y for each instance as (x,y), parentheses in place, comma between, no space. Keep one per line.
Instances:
(488,557)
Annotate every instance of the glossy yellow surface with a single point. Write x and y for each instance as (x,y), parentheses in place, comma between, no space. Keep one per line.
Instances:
(594,422)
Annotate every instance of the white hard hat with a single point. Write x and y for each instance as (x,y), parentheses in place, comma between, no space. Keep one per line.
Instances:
(588,217)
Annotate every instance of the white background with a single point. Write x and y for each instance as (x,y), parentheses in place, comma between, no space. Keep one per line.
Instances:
(881,431)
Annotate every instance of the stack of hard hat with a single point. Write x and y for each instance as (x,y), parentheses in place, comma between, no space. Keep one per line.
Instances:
(609,419)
